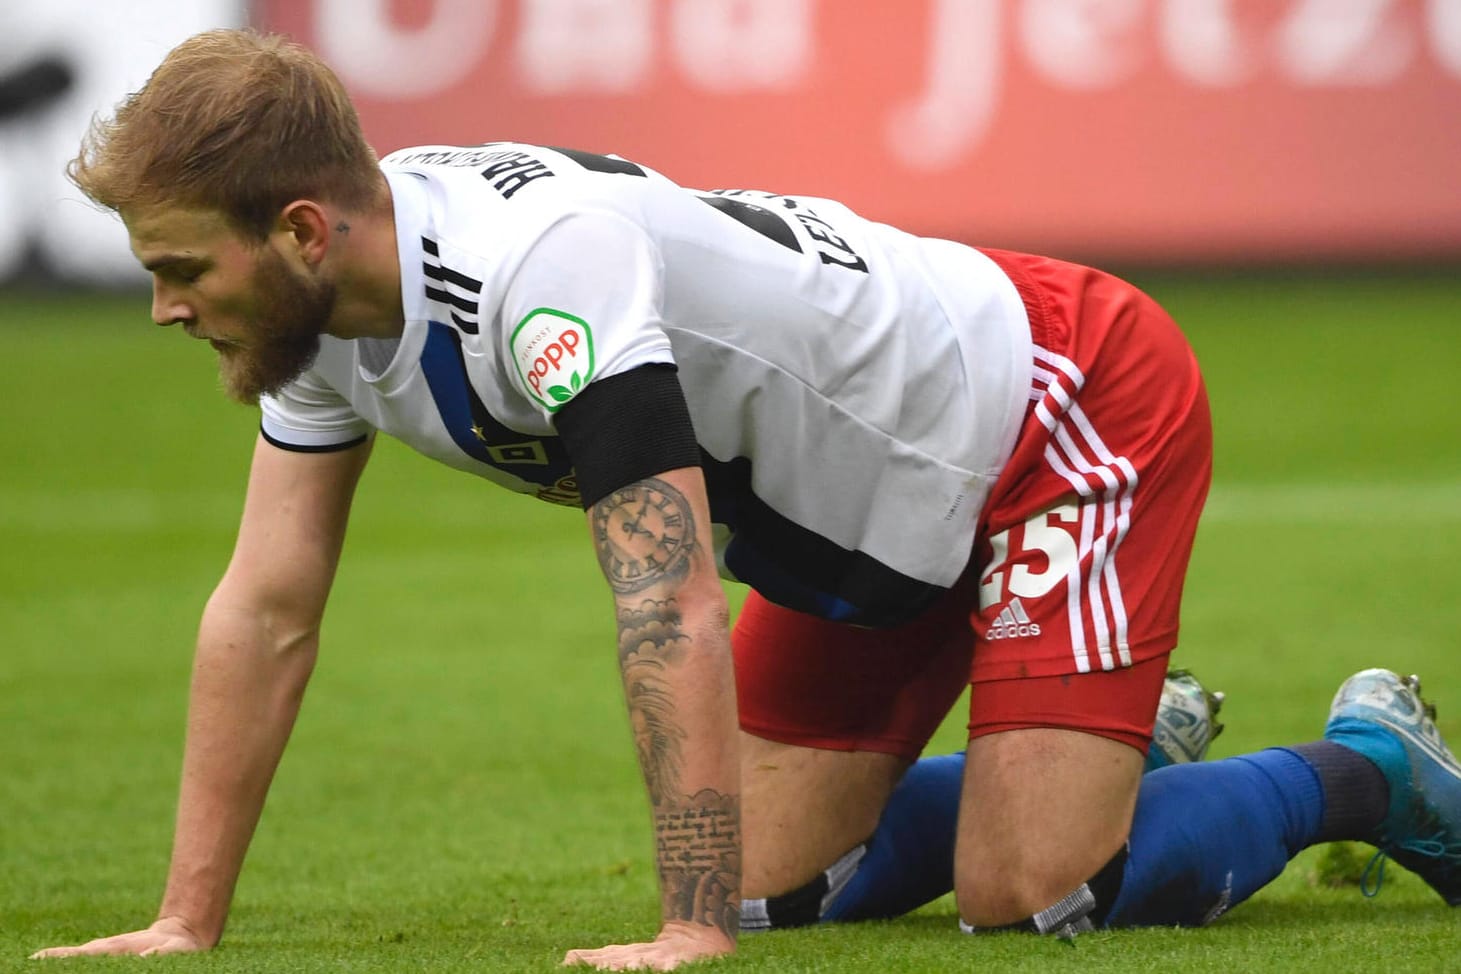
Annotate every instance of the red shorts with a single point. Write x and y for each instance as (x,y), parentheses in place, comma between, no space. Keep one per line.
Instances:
(1078,565)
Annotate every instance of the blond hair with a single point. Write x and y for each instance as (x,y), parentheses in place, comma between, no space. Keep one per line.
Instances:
(235,121)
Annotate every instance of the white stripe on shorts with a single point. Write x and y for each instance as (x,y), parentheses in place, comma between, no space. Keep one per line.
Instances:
(1077,453)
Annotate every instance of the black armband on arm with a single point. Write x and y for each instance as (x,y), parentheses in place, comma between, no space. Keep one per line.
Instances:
(626,427)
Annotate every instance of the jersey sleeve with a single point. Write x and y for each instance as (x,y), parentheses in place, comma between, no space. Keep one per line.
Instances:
(585,303)
(308,416)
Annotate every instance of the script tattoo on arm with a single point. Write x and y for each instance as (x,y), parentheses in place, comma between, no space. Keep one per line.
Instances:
(699,843)
(699,835)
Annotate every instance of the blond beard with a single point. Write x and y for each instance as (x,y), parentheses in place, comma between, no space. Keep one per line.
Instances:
(292,313)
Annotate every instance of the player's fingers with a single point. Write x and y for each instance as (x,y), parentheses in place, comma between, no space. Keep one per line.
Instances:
(588,958)
(608,958)
(141,942)
(108,945)
(630,957)
(575,958)
(76,950)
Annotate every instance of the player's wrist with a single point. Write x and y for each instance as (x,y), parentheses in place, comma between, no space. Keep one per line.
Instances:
(707,934)
(176,924)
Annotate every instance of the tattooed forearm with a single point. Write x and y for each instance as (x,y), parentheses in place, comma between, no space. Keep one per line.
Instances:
(645,537)
(699,859)
(650,637)
(652,631)
(644,534)
(657,735)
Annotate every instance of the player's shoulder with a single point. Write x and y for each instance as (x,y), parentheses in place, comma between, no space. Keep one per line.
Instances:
(521,173)
(517,187)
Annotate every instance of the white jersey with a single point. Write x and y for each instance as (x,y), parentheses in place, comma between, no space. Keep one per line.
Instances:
(854,390)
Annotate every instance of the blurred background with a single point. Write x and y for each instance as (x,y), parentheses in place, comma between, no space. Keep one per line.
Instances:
(1127,132)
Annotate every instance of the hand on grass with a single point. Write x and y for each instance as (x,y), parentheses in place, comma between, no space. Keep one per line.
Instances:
(170,935)
(677,943)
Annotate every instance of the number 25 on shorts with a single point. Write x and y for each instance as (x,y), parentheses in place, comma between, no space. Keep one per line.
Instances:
(1022,575)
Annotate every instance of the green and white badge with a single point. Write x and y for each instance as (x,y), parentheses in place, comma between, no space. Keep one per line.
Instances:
(554,352)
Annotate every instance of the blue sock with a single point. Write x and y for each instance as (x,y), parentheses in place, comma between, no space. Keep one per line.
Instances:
(910,858)
(1205,837)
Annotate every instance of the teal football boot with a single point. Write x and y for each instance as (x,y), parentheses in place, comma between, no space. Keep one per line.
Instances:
(1382,716)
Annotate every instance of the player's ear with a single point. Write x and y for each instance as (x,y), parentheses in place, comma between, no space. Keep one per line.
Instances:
(304,227)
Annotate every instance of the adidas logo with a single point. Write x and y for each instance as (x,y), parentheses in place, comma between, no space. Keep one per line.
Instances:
(1013,623)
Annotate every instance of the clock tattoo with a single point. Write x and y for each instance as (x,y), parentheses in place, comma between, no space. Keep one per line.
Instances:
(644,533)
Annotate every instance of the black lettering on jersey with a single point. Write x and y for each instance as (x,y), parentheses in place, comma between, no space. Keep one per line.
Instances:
(449,157)
(594,162)
(821,231)
(772,224)
(765,222)
(456,290)
(511,171)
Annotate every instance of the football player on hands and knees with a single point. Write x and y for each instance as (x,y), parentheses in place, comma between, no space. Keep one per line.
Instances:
(936,466)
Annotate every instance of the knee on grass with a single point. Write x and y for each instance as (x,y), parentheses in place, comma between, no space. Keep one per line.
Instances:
(1027,905)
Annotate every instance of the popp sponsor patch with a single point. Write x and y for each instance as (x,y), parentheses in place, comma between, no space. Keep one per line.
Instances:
(554,352)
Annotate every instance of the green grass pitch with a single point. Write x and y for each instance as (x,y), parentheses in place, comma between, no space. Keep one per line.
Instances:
(461,794)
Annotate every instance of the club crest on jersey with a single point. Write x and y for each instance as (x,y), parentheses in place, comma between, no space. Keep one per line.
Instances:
(554,352)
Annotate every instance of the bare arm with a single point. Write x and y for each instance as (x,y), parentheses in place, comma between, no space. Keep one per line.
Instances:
(256,649)
(653,543)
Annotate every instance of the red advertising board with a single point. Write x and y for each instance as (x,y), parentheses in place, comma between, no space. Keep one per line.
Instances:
(1173,130)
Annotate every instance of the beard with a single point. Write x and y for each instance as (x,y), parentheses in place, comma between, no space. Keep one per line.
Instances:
(292,313)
